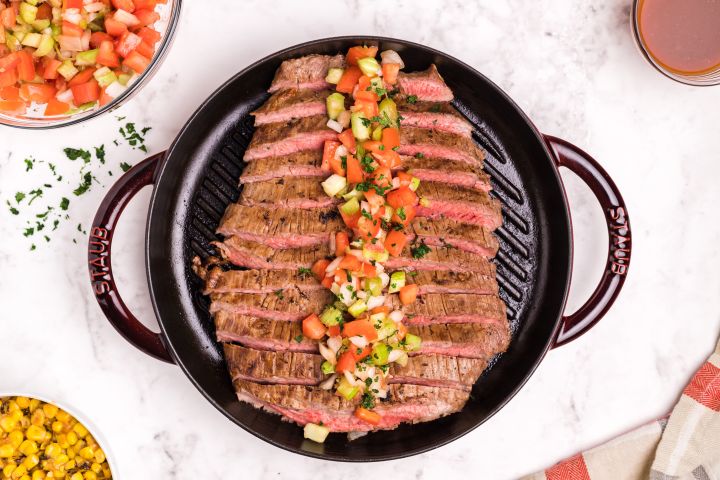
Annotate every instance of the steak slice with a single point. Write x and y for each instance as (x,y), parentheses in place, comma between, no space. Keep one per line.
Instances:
(451,173)
(461,204)
(305,73)
(427,86)
(441,117)
(299,368)
(453,308)
(431,143)
(290,192)
(276,139)
(280,227)
(287,105)
(249,254)
(304,404)
(443,232)
(258,281)
(467,340)
(301,164)
(287,305)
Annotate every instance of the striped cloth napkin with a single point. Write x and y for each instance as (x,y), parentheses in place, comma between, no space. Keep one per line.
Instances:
(684,445)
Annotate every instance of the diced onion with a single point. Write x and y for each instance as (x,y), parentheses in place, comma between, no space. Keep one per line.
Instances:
(72,15)
(328,383)
(66,96)
(385,278)
(344,119)
(94,7)
(123,16)
(359,341)
(86,40)
(394,355)
(356,253)
(391,56)
(335,125)
(396,316)
(330,270)
(316,433)
(114,89)
(341,151)
(374,302)
(334,343)
(396,182)
(327,354)
(362,294)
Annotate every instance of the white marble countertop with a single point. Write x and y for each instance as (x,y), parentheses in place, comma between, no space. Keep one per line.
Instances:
(572,66)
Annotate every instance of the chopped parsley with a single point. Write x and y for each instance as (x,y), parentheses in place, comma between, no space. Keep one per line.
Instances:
(420,251)
(401,213)
(279,294)
(64,203)
(19,196)
(343,161)
(125,166)
(366,214)
(304,272)
(366,162)
(412,99)
(419,155)
(85,184)
(29,164)
(299,338)
(75,153)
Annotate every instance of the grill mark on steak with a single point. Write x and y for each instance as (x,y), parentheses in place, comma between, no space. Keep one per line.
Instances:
(276,139)
(430,143)
(467,340)
(301,164)
(303,193)
(303,404)
(299,368)
(427,86)
(305,73)
(451,173)
(287,105)
(288,306)
(453,308)
(438,117)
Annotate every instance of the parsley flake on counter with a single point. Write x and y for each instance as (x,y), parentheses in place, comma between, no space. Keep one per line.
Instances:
(75,153)
(125,166)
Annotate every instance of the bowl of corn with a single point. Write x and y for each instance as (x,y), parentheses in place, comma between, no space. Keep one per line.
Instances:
(41,439)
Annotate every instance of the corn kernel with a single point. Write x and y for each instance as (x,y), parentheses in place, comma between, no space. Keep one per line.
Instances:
(90,475)
(99,455)
(9,468)
(80,430)
(28,447)
(25,477)
(76,476)
(31,461)
(57,427)
(38,418)
(23,402)
(8,423)
(38,475)
(16,437)
(18,472)
(53,450)
(87,453)
(95,467)
(34,403)
(50,410)
(6,450)
(63,416)
(61,460)
(36,433)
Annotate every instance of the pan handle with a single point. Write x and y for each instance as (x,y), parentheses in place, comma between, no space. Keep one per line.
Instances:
(100,265)
(619,246)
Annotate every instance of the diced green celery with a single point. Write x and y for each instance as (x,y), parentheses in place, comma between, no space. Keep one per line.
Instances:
(327,367)
(331,316)
(377,84)
(354,193)
(32,2)
(334,75)
(346,390)
(402,360)
(56,30)
(414,184)
(377,133)
(377,255)
(374,286)
(41,25)
(357,308)
(377,318)
(106,79)
(380,353)
(359,129)
(388,109)
(369,66)
(67,70)
(12,42)
(412,342)
(46,45)
(351,207)
(123,79)
(88,57)
(316,433)
(32,40)
(335,105)
(81,108)
(397,281)
(334,184)
(28,12)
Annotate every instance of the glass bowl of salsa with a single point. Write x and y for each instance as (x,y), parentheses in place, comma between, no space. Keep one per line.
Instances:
(66,61)
(680,38)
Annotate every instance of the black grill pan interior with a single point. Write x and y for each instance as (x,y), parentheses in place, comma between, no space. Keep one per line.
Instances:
(199,180)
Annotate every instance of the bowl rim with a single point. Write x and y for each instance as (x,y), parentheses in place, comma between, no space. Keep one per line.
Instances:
(135,87)
(78,415)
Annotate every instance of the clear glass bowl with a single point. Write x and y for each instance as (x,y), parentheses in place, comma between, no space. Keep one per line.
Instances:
(169,17)
(704,79)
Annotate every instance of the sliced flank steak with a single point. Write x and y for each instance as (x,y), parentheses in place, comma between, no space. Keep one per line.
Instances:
(442,232)
(430,143)
(284,305)
(287,105)
(441,117)
(288,192)
(305,73)
(453,308)
(467,340)
(303,404)
(451,173)
(280,227)
(299,368)
(301,164)
(276,139)
(426,86)
(218,280)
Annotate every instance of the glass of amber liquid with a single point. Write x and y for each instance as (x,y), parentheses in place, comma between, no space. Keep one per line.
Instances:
(680,38)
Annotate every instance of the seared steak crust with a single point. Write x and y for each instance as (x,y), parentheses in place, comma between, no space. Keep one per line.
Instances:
(300,164)
(305,73)
(430,143)
(291,104)
(285,138)
(288,305)
(427,86)
(453,308)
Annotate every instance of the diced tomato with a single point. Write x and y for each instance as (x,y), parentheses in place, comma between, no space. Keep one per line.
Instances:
(360,353)
(402,197)
(313,328)
(336,165)
(408,294)
(98,37)
(348,139)
(368,228)
(328,153)
(356,53)
(404,215)
(368,270)
(86,92)
(137,62)
(372,146)
(363,84)
(348,80)
(350,262)
(82,77)
(37,92)
(44,12)
(390,73)
(341,276)
(147,17)
(145,49)
(127,43)
(10,93)
(72,4)
(351,220)
(25,67)
(360,327)
(346,362)
(8,70)
(388,158)
(367,96)
(401,330)
(8,18)
(13,107)
(327,282)
(405,178)
(113,27)
(391,137)
(71,30)
(368,107)
(318,268)
(145,4)
(333,331)
(104,98)
(395,242)
(127,5)
(373,418)
(342,242)
(382,177)
(354,172)
(149,35)
(107,55)
(381,309)
(374,199)
(56,107)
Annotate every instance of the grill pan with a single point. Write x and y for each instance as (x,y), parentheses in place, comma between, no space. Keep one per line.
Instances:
(197,177)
